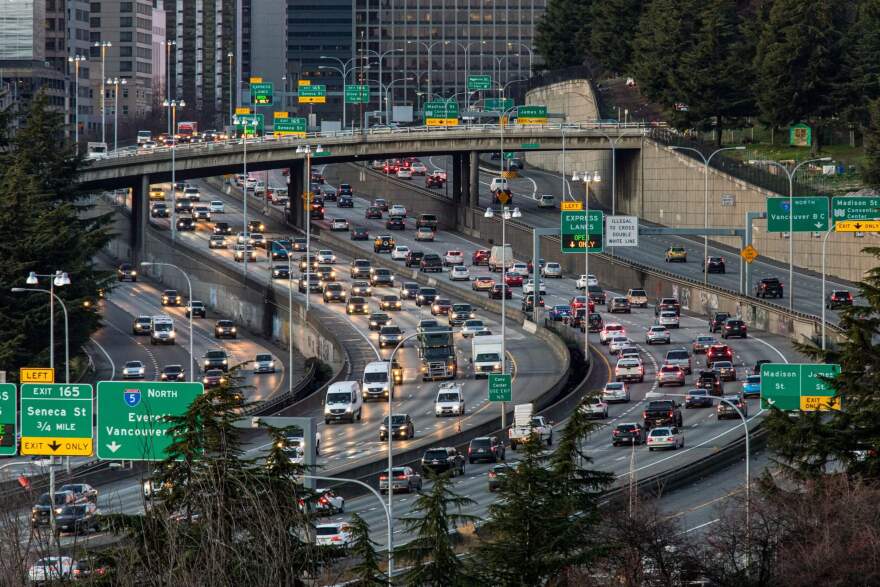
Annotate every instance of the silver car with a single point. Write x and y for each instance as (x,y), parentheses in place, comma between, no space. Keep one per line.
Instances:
(264,363)
(552,270)
(615,391)
(617,343)
(668,319)
(658,335)
(133,370)
(403,479)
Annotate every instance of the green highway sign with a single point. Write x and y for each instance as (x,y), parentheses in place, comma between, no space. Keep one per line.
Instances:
(441,113)
(131,417)
(530,146)
(510,154)
(573,237)
(500,104)
(252,124)
(357,94)
(531,115)
(56,419)
(312,94)
(500,385)
(810,214)
(8,420)
(321,154)
(261,94)
(855,208)
(290,126)
(798,386)
(479,82)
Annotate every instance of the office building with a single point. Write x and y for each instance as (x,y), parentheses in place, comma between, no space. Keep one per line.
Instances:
(265,44)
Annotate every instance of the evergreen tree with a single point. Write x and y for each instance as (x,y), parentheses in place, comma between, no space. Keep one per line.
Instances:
(367,570)
(809,444)
(862,62)
(562,31)
(432,551)
(871,169)
(613,28)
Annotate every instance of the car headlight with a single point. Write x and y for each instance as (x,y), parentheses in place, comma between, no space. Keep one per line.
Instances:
(348,409)
(351,306)
(172,334)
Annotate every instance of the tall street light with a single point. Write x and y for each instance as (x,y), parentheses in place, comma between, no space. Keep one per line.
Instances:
(172,105)
(381,58)
(231,56)
(706,161)
(307,151)
(116,82)
(587,178)
(104,45)
(192,369)
(790,175)
(57,279)
(527,48)
(388,100)
(76,60)
(246,123)
(429,47)
(289,254)
(169,47)
(506,214)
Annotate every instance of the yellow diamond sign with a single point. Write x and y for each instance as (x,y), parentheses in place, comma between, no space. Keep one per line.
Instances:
(749,253)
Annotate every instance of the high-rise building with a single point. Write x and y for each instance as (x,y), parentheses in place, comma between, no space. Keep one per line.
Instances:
(265,44)
(160,65)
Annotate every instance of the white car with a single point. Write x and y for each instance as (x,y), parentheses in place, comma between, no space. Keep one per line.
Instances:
(450,401)
(629,369)
(472,327)
(258,240)
(333,534)
(325,257)
(397,210)
(418,168)
(452,258)
(668,319)
(617,343)
(460,273)
(339,224)
(521,268)
(529,287)
(51,569)
(243,236)
(546,201)
(658,335)
(611,330)
(423,233)
(665,437)
(594,407)
(586,280)
(615,391)
(294,448)
(552,270)
(133,370)
(217,207)
(400,252)
(329,502)
(404,173)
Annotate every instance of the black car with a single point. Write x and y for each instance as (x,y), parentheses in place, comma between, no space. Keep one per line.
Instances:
(307,262)
(409,290)
(431,262)
(734,327)
(528,303)
(310,282)
(172,373)
(485,448)
(225,329)
(382,277)
(344,201)
(770,287)
(331,196)
(426,296)
(714,265)
(757,368)
(497,474)
(496,292)
(159,210)
(372,212)
(222,228)
(170,297)
(414,258)
(345,189)
(716,322)
(838,299)
(628,433)
(255,226)
(711,381)
(595,322)
(215,359)
(390,336)
(459,313)
(697,398)
(280,272)
(390,303)
(77,518)
(334,292)
(186,223)
(359,233)
(441,460)
(197,308)
(42,510)
(378,320)
(126,272)
(360,269)
(395,223)
(357,305)
(383,244)
(401,427)
(326,273)
(597,294)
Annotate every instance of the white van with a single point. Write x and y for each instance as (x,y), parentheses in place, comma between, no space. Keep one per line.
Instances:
(343,402)
(377,380)
(498,183)
(450,400)
(500,256)
(162,329)
(546,201)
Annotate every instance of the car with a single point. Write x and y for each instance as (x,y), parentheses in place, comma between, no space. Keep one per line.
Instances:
(217,241)
(610,330)
(256,226)
(172,373)
(513,279)
(628,433)
(838,299)
(702,343)
(725,410)
(431,262)
(666,305)
(402,427)
(264,363)
(552,269)
(240,251)
(225,329)
(670,375)
(373,212)
(482,283)
(333,534)
(361,288)
(725,370)
(399,252)
(427,221)
(170,297)
(593,407)
(586,280)
(714,265)
(579,303)
(717,320)
(310,282)
(769,287)
(418,168)
(397,210)
(82,492)
(718,352)
(546,201)
(414,258)
(378,319)
(402,479)
(404,173)
(344,201)
(222,228)
(333,292)
(360,269)
(486,448)
(196,308)
(201,213)
(307,263)
(359,233)
(529,287)
(619,304)
(441,460)
(629,369)
(658,335)
(669,320)
(596,294)
(382,277)
(522,268)
(409,290)
(395,223)
(637,297)
(618,343)
(459,313)
(51,569)
(217,207)
(215,359)
(751,387)
(528,302)
(159,210)
(615,391)
(390,336)
(734,327)
(357,305)
(326,257)
(697,398)
(339,224)
(595,322)
(472,327)
(381,204)
(424,233)
(77,518)
(500,289)
(390,303)
(125,272)
(481,257)
(559,312)
(213,378)
(459,273)
(133,370)
(427,323)
(440,307)
(756,370)
(665,437)
(676,255)
(679,357)
(142,325)
(437,179)
(711,381)
(451,258)
(345,189)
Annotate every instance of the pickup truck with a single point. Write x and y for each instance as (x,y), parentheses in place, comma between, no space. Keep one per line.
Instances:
(664,412)
(629,370)
(525,425)
(769,287)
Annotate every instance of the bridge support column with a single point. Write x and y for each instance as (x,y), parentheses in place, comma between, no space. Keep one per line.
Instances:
(295,189)
(474,183)
(140,217)
(456,185)
(462,205)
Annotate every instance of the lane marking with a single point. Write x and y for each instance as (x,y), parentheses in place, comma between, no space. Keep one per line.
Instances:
(109,359)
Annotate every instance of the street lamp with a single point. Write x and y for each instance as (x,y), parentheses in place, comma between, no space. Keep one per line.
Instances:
(104,45)
(57,279)
(116,82)
(706,161)
(173,105)
(527,48)
(387,92)
(246,123)
(289,254)
(790,175)
(506,214)
(381,57)
(429,47)
(230,56)
(76,60)
(307,151)
(168,48)
(587,178)
(192,369)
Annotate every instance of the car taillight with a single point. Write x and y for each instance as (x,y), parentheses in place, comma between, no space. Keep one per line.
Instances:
(323,500)
(400,477)
(616,433)
(727,326)
(644,415)
(670,413)
(470,450)
(492,474)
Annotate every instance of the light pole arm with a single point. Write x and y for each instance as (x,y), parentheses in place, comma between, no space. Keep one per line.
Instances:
(53,295)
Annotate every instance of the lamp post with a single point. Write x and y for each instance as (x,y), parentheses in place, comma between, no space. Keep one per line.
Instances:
(501,128)
(429,47)
(506,214)
(230,55)
(387,91)
(57,279)
(168,48)
(790,175)
(116,82)
(307,151)
(289,254)
(76,60)
(706,161)
(192,369)
(587,178)
(104,45)
(527,48)
(172,106)
(381,58)
(245,123)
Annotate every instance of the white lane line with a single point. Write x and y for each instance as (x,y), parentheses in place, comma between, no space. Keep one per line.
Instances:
(109,360)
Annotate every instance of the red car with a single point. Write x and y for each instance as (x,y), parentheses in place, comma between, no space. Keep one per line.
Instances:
(578,302)
(718,352)
(390,168)
(480,257)
(514,280)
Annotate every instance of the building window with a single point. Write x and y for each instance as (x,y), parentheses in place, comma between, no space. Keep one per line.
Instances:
(50,5)
(95,7)
(94,36)
(95,22)
(125,36)
(125,110)
(125,66)
(124,92)
(125,21)
(50,44)
(125,7)
(125,51)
